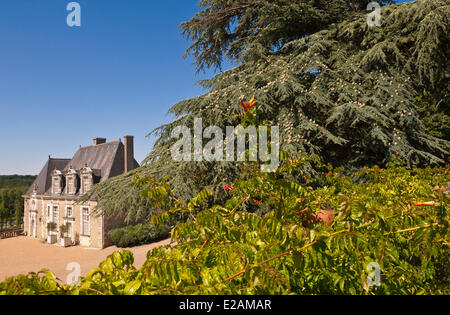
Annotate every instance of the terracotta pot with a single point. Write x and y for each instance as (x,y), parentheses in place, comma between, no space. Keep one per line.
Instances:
(326,216)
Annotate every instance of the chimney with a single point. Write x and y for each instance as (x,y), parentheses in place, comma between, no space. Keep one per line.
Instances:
(98,141)
(128,153)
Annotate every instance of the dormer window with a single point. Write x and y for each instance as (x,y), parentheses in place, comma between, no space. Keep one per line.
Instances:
(86,179)
(86,184)
(70,185)
(57,182)
(71,182)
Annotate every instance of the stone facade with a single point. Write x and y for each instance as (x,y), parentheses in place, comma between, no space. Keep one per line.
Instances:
(52,197)
(41,210)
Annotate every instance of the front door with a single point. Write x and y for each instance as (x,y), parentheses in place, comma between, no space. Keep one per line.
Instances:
(69,230)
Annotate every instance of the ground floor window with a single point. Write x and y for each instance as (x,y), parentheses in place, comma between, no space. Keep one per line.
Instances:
(55,215)
(69,229)
(85,214)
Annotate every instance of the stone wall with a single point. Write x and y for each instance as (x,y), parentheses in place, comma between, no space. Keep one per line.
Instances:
(36,218)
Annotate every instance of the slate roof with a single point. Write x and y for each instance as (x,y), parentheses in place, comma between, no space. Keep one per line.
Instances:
(106,160)
(44,180)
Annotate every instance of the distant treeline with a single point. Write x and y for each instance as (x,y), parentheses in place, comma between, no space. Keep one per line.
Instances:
(13,181)
(12,187)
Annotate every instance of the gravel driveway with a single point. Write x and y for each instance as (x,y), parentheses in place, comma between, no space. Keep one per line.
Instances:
(22,255)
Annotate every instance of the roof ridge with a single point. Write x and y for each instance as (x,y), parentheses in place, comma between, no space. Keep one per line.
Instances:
(98,145)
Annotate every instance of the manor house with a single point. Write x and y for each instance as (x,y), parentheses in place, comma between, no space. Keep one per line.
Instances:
(53,195)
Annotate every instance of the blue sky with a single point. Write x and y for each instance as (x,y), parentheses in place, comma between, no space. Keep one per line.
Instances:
(117,74)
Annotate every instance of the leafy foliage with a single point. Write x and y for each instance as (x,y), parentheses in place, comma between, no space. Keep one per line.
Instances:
(11,205)
(352,96)
(434,114)
(346,94)
(231,249)
(135,235)
(350,93)
(16,181)
(119,196)
(244,30)
(12,187)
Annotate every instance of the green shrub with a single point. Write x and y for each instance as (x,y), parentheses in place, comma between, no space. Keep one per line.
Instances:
(135,235)
(116,235)
(395,218)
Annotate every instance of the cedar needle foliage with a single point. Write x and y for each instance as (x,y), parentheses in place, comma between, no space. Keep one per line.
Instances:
(352,94)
